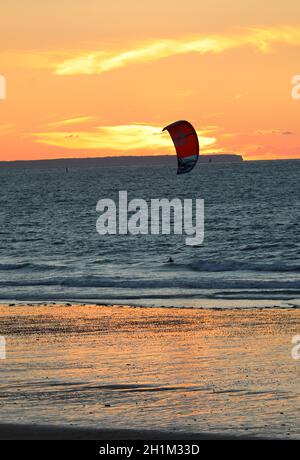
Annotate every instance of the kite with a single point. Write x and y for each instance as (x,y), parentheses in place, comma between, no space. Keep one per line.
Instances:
(186,143)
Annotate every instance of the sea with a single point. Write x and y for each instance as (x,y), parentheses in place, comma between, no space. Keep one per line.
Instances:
(50,250)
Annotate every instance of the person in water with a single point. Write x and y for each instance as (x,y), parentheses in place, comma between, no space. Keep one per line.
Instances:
(170,261)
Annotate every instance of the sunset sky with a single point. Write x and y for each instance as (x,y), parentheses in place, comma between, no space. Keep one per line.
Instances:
(90,78)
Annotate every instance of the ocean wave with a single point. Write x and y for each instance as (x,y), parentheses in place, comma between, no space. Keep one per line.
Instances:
(233,265)
(30,266)
(174,284)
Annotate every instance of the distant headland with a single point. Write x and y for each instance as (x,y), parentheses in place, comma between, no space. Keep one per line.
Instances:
(121,161)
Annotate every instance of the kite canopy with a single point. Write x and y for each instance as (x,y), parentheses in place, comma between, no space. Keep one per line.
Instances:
(186,144)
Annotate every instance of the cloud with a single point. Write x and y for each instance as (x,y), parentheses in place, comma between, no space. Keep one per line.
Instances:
(118,138)
(71,121)
(99,61)
(7,128)
(32,60)
(185,94)
(267,132)
(212,115)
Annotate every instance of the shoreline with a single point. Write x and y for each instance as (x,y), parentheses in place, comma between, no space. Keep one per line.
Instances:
(203,304)
(64,432)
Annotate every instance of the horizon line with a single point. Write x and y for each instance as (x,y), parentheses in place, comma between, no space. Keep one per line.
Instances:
(140,157)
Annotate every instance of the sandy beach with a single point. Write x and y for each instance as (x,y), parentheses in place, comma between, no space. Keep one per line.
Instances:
(95,372)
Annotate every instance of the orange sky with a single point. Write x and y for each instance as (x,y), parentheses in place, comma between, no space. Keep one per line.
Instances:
(95,78)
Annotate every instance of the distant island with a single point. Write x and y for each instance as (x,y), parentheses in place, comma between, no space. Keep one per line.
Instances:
(120,161)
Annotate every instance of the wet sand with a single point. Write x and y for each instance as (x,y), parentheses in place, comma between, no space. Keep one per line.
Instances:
(95,372)
(36,432)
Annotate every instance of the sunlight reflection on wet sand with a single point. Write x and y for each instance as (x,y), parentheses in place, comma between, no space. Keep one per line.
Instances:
(176,369)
